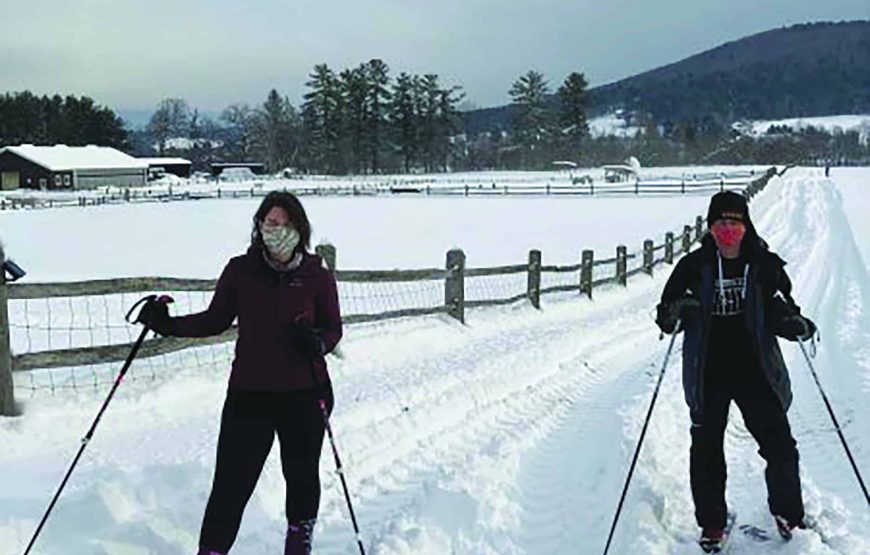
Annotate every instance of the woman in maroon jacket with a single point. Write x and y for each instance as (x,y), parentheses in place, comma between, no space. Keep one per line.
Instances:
(286,303)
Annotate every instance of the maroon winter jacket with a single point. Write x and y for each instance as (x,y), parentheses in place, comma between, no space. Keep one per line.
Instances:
(267,304)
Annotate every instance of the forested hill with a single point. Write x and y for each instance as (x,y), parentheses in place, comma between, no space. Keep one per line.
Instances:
(805,70)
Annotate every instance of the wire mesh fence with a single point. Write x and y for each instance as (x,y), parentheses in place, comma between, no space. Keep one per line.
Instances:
(72,336)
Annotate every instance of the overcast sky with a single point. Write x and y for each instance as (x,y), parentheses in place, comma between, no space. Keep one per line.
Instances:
(129,55)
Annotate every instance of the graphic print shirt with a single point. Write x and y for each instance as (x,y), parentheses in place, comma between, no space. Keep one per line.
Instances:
(730,353)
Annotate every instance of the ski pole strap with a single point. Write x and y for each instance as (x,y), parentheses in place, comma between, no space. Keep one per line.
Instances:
(143,300)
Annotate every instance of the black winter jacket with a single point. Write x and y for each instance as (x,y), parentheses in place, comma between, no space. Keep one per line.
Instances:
(768,301)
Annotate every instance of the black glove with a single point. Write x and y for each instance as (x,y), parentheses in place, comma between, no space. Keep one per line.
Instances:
(682,309)
(307,340)
(155,315)
(796,327)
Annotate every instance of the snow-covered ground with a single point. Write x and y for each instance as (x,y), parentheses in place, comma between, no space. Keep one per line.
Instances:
(511,434)
(64,244)
(697,180)
(854,186)
(845,123)
(611,125)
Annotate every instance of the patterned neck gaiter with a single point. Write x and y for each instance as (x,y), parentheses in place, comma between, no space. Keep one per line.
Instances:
(281,240)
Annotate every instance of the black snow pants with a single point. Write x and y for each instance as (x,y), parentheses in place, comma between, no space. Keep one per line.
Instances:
(249,423)
(767,422)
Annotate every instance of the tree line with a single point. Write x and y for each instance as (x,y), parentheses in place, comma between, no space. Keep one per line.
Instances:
(357,120)
(26,118)
(361,120)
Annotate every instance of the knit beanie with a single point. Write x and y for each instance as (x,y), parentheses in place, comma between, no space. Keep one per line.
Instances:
(730,205)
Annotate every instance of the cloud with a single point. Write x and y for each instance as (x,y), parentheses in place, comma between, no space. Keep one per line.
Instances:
(213,53)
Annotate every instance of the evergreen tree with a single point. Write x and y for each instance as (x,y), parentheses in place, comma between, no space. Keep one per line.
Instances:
(70,120)
(427,96)
(276,131)
(322,115)
(379,95)
(355,117)
(438,120)
(573,102)
(404,117)
(532,123)
(448,123)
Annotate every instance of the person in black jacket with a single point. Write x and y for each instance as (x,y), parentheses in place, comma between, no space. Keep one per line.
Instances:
(732,297)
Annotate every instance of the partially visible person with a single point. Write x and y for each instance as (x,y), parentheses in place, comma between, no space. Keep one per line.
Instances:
(732,298)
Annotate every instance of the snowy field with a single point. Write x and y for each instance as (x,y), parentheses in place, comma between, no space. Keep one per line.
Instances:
(561,181)
(859,123)
(194,239)
(614,125)
(854,186)
(509,435)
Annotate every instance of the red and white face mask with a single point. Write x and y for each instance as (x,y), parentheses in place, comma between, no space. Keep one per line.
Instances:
(728,233)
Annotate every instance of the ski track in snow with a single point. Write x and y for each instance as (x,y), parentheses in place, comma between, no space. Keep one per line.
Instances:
(510,435)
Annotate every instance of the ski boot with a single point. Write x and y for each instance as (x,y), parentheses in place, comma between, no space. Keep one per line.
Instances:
(712,540)
(786,529)
(299,537)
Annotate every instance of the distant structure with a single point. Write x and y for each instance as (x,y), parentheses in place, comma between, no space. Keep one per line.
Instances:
(68,167)
(627,171)
(255,167)
(158,167)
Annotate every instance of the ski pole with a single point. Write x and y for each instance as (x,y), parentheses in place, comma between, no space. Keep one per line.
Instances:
(836,424)
(338,467)
(640,440)
(340,470)
(88,436)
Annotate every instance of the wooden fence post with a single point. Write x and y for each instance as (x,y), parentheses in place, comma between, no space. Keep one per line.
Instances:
(687,239)
(7,397)
(699,227)
(534,282)
(586,265)
(648,256)
(752,189)
(454,287)
(328,253)
(669,247)
(621,265)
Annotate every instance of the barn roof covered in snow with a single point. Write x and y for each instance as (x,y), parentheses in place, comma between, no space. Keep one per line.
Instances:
(64,158)
(164,161)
